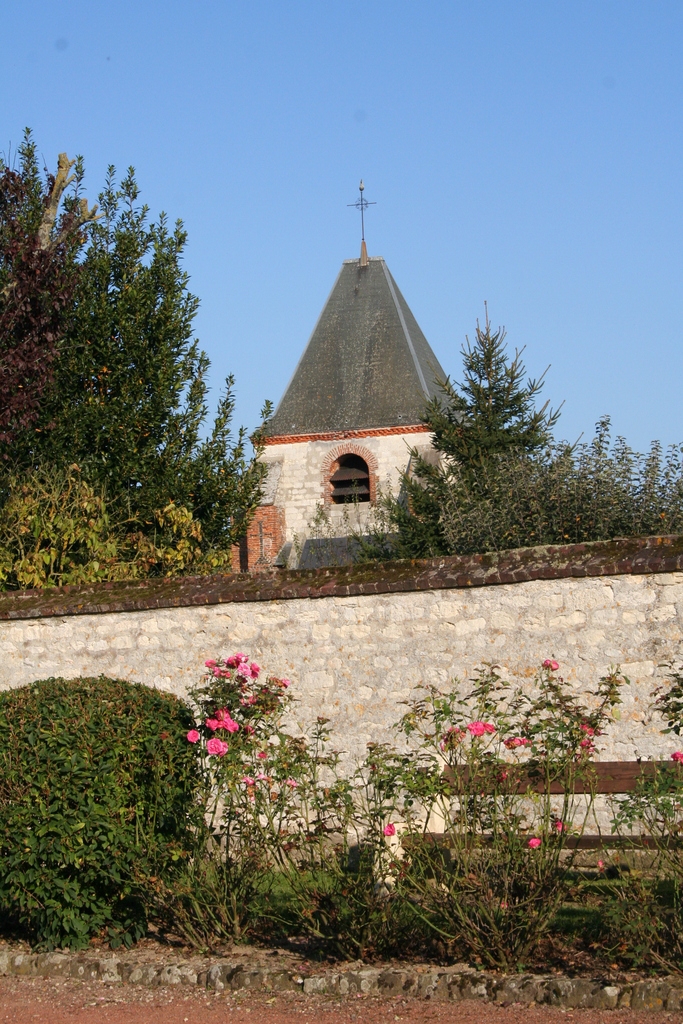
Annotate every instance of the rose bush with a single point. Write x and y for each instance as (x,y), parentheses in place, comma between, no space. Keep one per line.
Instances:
(290,840)
(482,774)
(242,752)
(643,914)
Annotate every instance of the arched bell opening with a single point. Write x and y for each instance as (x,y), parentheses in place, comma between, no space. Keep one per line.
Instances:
(350,480)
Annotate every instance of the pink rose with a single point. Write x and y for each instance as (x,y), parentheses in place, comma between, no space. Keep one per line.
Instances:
(292,783)
(261,777)
(216,746)
(479,728)
(584,727)
(262,755)
(285,683)
(225,721)
(552,665)
(601,865)
(193,736)
(534,843)
(677,756)
(516,741)
(248,781)
(249,729)
(235,659)
(254,669)
(212,724)
(244,670)
(389,830)
(211,663)
(559,826)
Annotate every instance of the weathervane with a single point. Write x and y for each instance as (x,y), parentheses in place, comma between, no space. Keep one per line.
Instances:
(362,204)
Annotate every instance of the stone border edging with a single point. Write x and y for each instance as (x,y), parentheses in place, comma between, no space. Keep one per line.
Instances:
(624,556)
(422,982)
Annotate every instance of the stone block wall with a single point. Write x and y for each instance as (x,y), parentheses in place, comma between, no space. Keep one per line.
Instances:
(357,641)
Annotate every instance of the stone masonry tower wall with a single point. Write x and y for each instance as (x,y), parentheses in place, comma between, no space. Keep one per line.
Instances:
(302,470)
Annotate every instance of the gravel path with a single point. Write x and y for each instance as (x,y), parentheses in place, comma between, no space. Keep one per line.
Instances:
(29,1000)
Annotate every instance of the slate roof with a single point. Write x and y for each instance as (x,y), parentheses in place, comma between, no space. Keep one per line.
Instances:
(367,363)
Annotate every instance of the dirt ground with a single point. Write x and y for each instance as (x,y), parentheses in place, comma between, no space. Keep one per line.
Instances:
(25,1001)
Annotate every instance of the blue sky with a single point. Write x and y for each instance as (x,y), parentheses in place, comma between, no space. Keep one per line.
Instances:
(524,153)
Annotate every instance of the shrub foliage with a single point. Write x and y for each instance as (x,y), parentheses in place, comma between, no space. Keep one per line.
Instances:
(97,797)
(56,529)
(497,480)
(564,495)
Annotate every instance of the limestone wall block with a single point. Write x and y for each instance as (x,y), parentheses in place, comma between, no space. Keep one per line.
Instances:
(572,619)
(663,613)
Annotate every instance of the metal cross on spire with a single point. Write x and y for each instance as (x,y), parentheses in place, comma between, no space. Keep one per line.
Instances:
(362,204)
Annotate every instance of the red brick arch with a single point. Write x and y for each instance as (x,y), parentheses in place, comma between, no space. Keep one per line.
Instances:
(349,448)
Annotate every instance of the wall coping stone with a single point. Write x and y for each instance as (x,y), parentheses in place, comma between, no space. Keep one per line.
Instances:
(623,556)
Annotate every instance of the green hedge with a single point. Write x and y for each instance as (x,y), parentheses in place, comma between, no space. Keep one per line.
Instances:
(97,801)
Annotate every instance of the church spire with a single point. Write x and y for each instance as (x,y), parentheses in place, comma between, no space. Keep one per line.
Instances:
(367,364)
(362,204)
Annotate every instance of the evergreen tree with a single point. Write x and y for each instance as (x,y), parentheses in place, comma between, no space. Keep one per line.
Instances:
(491,413)
(493,410)
(129,397)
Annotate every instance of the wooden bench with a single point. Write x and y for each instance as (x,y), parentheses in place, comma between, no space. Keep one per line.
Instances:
(599,777)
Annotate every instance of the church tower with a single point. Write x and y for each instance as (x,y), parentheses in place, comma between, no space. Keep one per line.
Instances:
(348,418)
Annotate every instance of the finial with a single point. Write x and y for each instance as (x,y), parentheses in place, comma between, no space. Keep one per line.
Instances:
(362,205)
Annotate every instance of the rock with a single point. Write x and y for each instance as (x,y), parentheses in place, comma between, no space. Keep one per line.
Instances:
(321,984)
(54,965)
(219,976)
(396,983)
(650,995)
(145,974)
(24,964)
(83,970)
(524,988)
(108,970)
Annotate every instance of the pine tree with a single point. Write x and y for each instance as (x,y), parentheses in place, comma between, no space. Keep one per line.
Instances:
(490,413)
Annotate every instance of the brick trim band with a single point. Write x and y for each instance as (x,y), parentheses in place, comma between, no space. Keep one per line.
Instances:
(342,435)
(626,556)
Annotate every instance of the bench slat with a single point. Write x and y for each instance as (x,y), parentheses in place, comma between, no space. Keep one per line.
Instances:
(598,777)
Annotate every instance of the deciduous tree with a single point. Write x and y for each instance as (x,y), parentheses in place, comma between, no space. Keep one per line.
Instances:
(41,232)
